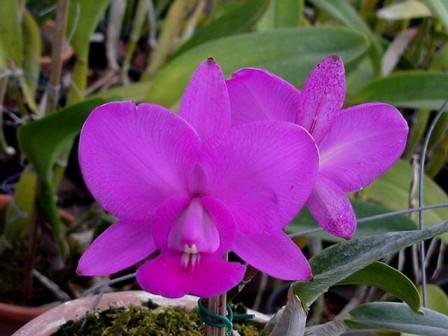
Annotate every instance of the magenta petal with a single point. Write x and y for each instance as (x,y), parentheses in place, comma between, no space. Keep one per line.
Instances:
(166,276)
(165,217)
(205,103)
(273,253)
(214,276)
(322,96)
(363,142)
(332,209)
(263,173)
(120,246)
(224,222)
(132,158)
(256,94)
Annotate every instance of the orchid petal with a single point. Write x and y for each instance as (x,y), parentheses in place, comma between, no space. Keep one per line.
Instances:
(211,276)
(205,104)
(273,253)
(132,158)
(322,97)
(257,94)
(118,247)
(263,172)
(363,142)
(332,209)
(223,220)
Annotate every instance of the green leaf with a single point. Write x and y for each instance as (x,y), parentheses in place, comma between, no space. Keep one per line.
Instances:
(135,91)
(437,299)
(413,89)
(291,53)
(32,50)
(84,16)
(287,12)
(10,31)
(2,56)
(404,10)
(440,60)
(392,190)
(239,19)
(389,279)
(305,222)
(439,8)
(281,14)
(339,261)
(399,317)
(343,11)
(43,140)
(19,214)
(439,155)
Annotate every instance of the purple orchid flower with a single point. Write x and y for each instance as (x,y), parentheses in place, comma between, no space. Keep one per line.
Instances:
(191,188)
(356,144)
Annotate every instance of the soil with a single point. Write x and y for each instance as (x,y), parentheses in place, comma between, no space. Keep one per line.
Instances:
(149,320)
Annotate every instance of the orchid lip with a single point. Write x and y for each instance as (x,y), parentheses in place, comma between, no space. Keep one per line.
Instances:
(194,232)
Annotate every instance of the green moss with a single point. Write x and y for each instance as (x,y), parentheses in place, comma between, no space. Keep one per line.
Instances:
(137,321)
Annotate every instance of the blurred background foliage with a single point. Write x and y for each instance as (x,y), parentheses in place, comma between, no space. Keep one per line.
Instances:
(59,59)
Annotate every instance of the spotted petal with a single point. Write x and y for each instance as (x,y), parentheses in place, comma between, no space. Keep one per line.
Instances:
(134,157)
(332,209)
(257,94)
(322,97)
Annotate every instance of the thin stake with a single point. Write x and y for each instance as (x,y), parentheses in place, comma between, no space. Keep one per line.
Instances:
(421,223)
(218,305)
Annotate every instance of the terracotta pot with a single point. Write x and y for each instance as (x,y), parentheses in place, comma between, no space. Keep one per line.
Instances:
(12,317)
(50,321)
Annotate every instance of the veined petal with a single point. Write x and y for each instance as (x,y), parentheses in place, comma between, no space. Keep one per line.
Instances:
(120,246)
(211,276)
(332,209)
(257,94)
(134,157)
(263,173)
(205,104)
(322,97)
(273,253)
(363,142)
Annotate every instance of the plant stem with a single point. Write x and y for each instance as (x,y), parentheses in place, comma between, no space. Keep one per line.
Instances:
(56,55)
(30,261)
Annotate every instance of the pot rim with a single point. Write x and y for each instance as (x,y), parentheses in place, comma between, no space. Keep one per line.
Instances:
(51,320)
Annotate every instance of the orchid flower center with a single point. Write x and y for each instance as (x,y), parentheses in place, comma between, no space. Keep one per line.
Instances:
(193,233)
